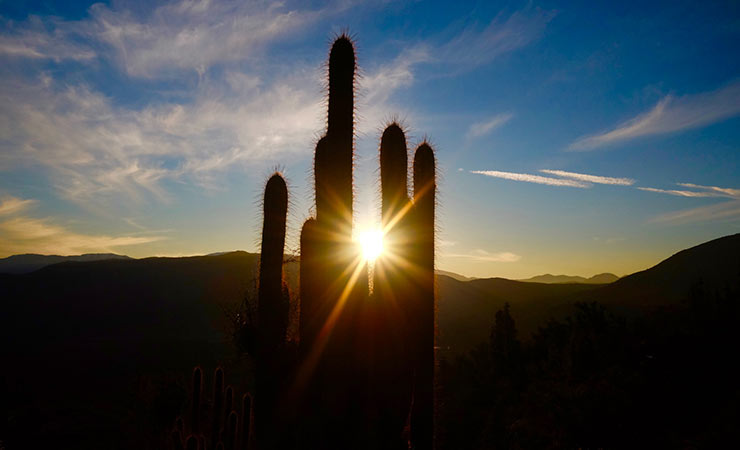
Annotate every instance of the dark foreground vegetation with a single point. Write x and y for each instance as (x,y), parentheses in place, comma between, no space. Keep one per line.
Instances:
(595,380)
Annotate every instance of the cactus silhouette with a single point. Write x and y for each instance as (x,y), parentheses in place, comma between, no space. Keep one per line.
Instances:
(218,405)
(353,343)
(272,311)
(227,429)
(364,370)
(245,426)
(197,390)
(422,256)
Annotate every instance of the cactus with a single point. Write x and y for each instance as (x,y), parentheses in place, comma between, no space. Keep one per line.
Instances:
(393,360)
(272,311)
(422,255)
(224,427)
(192,443)
(365,365)
(230,431)
(197,390)
(245,422)
(218,405)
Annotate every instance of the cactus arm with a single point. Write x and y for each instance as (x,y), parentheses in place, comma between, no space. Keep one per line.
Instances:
(422,414)
(273,310)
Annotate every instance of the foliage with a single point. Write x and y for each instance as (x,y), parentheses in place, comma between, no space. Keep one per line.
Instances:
(596,380)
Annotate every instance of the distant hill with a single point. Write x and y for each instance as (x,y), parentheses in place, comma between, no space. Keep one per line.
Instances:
(31,262)
(466,310)
(713,267)
(454,276)
(602,278)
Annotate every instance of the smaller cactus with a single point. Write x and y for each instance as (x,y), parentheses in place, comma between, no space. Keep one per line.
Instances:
(246,421)
(177,440)
(228,400)
(230,431)
(218,405)
(197,391)
(273,310)
(192,443)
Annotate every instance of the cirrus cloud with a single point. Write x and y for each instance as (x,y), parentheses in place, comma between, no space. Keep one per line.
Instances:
(590,178)
(529,178)
(671,114)
(21,234)
(482,128)
(12,205)
(486,256)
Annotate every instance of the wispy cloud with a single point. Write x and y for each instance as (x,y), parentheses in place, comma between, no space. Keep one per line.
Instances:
(193,35)
(475,47)
(529,178)
(720,211)
(671,114)
(590,178)
(479,129)
(700,191)
(728,191)
(12,205)
(467,49)
(27,235)
(728,210)
(680,193)
(52,39)
(377,85)
(486,256)
(93,146)
(21,234)
(609,240)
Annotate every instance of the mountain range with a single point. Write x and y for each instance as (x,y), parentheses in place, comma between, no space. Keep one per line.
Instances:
(602,278)
(105,294)
(31,262)
(85,332)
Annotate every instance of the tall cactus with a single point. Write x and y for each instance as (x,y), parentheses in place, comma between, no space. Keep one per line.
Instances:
(366,362)
(422,255)
(272,310)
(333,281)
(392,379)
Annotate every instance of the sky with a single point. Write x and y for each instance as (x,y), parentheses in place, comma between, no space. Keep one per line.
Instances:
(571,137)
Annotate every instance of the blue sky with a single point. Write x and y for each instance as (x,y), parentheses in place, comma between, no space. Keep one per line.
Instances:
(571,137)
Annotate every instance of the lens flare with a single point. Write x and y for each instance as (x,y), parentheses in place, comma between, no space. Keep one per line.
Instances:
(372,244)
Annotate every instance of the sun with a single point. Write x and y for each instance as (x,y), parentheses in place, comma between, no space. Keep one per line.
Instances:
(372,244)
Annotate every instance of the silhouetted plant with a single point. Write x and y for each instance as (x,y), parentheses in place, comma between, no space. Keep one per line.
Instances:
(245,428)
(365,365)
(220,433)
(273,359)
(196,399)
